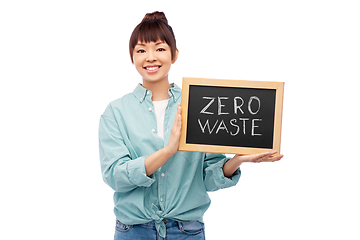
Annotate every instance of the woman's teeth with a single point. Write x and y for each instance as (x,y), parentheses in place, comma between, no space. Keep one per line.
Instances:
(152,68)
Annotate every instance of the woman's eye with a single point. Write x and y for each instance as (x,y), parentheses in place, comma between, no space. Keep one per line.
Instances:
(161,49)
(140,51)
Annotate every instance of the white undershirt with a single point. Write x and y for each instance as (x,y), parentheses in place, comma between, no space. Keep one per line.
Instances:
(159,108)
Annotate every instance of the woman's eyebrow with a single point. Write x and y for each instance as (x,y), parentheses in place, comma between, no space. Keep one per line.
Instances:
(157,43)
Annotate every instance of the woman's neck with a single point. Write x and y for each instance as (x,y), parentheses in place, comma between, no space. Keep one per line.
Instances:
(159,89)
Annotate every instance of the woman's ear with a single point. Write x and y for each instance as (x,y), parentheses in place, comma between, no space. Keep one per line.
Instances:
(176,56)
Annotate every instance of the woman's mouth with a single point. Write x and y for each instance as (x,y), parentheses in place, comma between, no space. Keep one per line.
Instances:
(152,69)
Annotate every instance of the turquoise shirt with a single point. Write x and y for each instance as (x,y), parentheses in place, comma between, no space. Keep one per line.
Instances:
(178,189)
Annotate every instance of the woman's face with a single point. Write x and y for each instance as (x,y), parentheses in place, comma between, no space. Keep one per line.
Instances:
(153,60)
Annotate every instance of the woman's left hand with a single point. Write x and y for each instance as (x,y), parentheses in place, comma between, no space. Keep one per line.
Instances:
(234,163)
(260,157)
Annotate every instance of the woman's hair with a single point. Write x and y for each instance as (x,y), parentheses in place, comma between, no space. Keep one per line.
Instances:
(154,27)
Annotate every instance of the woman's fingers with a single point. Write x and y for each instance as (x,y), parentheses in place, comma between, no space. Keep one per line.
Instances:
(260,157)
(274,158)
(267,157)
(177,120)
(173,143)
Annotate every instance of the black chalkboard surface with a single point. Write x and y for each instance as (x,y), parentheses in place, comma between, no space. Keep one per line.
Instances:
(231,116)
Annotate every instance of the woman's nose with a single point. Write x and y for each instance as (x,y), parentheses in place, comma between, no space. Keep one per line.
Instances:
(151,57)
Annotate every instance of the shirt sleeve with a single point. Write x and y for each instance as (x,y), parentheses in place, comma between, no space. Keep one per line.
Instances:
(213,172)
(119,170)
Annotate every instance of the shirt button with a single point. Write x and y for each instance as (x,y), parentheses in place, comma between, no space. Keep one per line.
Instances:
(148,93)
(163,174)
(150,109)
(153,130)
(161,199)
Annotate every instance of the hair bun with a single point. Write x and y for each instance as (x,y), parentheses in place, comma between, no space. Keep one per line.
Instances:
(154,16)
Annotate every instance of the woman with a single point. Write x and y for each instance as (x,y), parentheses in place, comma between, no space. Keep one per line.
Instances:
(159,191)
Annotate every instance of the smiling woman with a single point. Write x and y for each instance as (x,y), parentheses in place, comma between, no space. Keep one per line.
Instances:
(155,184)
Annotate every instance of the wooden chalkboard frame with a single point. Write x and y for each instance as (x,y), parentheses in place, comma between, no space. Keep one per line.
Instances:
(187,82)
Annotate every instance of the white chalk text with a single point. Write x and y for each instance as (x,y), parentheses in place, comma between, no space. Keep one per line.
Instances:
(234,126)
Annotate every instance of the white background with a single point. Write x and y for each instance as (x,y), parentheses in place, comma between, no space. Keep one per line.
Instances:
(62,62)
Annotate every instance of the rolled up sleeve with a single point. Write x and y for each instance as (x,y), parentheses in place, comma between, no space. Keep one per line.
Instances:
(137,174)
(119,170)
(213,173)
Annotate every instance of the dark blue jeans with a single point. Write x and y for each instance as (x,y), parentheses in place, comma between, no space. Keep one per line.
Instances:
(174,231)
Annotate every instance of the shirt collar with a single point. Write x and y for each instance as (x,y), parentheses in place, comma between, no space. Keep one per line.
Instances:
(142,93)
(174,92)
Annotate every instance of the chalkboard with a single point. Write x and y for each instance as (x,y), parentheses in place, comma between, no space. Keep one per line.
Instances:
(231,116)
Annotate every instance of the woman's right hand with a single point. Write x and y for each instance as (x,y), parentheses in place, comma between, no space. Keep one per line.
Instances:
(158,158)
(173,143)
